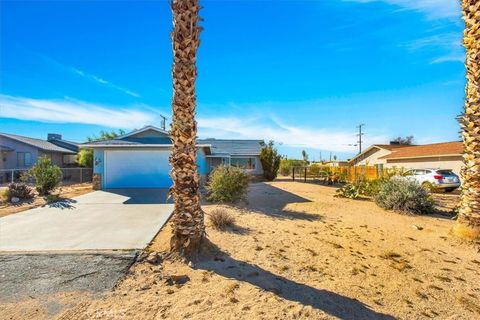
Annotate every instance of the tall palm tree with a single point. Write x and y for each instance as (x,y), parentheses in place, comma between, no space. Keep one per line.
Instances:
(468,224)
(187,220)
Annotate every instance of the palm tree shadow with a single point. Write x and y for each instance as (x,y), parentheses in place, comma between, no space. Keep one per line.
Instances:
(342,307)
(278,199)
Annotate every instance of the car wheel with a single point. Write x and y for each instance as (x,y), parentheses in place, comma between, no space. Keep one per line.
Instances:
(449,189)
(427,186)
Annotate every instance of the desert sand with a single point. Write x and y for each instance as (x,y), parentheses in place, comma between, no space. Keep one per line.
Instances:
(296,252)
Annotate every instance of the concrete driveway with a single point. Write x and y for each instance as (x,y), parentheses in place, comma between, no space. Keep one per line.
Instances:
(101,220)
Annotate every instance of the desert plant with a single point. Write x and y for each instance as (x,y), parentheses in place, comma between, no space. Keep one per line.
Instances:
(286,166)
(47,175)
(361,187)
(20,191)
(52,198)
(221,219)
(404,196)
(227,185)
(4,195)
(349,190)
(270,161)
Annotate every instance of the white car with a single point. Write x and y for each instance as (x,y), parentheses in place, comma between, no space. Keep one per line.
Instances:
(432,179)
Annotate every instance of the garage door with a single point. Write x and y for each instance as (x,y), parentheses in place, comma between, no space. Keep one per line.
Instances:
(137,169)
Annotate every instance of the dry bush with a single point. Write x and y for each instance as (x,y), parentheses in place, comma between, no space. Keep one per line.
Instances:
(19,190)
(221,219)
(4,195)
(403,195)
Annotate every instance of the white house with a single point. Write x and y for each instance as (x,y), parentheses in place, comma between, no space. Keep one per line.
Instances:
(445,155)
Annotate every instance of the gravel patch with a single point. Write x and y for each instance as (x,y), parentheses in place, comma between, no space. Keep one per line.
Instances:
(33,275)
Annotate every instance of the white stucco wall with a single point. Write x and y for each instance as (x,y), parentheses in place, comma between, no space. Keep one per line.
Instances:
(371,158)
(454,163)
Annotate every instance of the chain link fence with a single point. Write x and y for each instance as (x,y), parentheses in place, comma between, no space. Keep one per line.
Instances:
(69,176)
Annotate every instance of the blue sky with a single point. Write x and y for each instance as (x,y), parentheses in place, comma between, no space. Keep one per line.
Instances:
(303,73)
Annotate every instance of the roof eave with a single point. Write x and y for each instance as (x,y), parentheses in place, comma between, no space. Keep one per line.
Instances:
(135,145)
(429,156)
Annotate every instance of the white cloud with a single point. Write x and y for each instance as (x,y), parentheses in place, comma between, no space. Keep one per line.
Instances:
(450,58)
(267,128)
(102,81)
(88,76)
(450,44)
(330,139)
(74,111)
(433,9)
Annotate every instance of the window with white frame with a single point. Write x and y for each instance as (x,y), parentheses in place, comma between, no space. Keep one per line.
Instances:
(243,163)
(24,159)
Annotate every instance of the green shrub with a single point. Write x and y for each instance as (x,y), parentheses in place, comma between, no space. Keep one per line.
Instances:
(47,175)
(85,158)
(270,161)
(227,184)
(360,188)
(349,190)
(52,198)
(286,166)
(20,191)
(405,196)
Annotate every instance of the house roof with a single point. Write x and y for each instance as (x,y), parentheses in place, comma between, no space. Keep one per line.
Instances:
(389,147)
(118,142)
(146,128)
(216,146)
(429,150)
(233,147)
(37,143)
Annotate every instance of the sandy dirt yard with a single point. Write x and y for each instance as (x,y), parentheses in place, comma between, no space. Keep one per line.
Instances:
(65,192)
(296,252)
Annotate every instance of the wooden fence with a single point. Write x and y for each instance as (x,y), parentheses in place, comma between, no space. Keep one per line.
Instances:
(337,174)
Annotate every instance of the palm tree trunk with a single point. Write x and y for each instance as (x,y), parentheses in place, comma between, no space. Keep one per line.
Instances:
(468,223)
(188,227)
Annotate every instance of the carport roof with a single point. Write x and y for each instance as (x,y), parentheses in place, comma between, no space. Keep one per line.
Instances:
(233,147)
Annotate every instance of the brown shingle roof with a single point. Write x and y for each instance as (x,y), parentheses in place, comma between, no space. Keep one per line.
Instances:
(427,150)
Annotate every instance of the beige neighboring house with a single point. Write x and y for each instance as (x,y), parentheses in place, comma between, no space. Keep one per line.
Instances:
(337,163)
(445,155)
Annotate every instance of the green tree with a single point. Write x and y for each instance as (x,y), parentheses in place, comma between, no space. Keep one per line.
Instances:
(47,175)
(85,156)
(404,141)
(270,161)
(305,157)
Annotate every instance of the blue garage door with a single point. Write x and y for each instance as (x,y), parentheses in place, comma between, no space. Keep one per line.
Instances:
(137,169)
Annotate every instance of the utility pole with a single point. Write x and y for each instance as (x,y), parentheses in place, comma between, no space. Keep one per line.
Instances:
(360,136)
(164,122)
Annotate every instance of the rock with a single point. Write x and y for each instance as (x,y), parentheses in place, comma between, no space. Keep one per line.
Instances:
(142,256)
(153,258)
(417,227)
(15,200)
(171,280)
